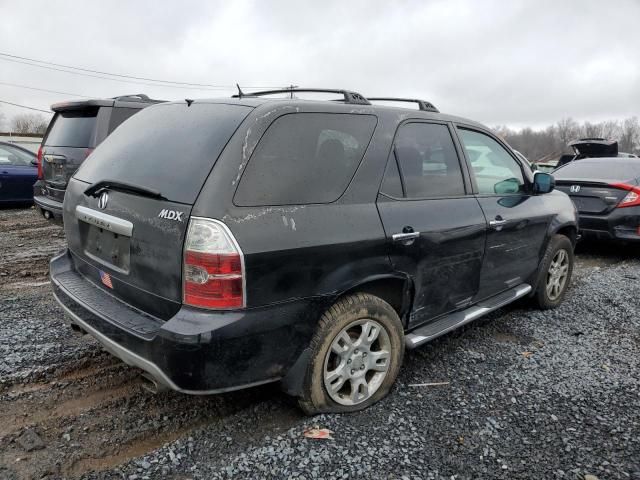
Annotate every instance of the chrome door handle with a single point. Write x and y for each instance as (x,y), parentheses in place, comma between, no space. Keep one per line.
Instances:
(497,223)
(401,237)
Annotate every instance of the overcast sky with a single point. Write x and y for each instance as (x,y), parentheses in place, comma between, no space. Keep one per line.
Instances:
(501,62)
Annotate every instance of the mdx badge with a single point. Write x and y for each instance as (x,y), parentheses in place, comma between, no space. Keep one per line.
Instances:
(171,214)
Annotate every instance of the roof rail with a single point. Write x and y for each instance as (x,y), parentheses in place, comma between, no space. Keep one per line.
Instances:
(422,104)
(349,96)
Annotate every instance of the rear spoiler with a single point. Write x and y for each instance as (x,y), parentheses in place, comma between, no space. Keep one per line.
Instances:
(81,104)
(138,98)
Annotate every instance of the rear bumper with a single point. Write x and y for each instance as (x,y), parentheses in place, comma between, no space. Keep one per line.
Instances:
(44,203)
(195,352)
(622,224)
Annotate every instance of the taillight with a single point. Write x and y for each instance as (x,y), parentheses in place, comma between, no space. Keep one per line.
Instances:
(40,175)
(213,266)
(632,199)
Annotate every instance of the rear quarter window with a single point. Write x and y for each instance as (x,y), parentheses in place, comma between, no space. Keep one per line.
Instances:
(305,158)
(73,129)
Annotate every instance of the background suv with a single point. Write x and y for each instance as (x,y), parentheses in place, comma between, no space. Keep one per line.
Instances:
(219,244)
(74,131)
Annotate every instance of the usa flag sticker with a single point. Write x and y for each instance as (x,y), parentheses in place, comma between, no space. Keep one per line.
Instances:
(106,279)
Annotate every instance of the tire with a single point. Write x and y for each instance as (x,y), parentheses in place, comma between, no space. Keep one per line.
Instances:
(544,298)
(352,323)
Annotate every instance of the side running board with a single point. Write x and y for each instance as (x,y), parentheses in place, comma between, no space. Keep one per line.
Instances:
(450,322)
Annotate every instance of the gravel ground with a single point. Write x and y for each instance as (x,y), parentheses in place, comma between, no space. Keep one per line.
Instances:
(528,394)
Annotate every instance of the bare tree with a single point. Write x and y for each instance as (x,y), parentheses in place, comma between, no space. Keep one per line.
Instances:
(610,129)
(567,129)
(29,123)
(553,140)
(630,136)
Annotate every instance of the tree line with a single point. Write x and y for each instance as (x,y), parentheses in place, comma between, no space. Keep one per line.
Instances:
(29,123)
(551,142)
(537,145)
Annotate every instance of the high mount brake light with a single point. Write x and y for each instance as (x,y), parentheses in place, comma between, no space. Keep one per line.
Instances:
(632,199)
(40,175)
(213,266)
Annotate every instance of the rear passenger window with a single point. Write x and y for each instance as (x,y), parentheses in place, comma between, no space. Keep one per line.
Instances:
(428,161)
(305,158)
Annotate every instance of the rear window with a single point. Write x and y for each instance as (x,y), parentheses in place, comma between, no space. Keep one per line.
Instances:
(305,158)
(169,148)
(74,128)
(604,169)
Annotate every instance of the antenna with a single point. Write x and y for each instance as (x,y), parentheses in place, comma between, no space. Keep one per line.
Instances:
(240,92)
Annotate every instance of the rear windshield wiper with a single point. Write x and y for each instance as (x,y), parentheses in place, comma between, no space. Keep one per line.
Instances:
(97,188)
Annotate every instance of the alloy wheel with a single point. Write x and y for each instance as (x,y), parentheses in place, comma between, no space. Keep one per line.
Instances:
(557,274)
(357,362)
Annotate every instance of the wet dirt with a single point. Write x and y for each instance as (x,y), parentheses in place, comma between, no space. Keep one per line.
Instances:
(88,408)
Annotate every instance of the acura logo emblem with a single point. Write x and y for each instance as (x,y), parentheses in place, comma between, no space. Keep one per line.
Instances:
(102,201)
(574,188)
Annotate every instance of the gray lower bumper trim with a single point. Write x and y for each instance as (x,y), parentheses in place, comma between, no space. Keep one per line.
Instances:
(136,360)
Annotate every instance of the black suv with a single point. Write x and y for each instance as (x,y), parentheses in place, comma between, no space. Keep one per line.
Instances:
(219,244)
(73,133)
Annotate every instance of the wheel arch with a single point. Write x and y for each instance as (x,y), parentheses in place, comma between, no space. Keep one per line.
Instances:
(569,231)
(396,289)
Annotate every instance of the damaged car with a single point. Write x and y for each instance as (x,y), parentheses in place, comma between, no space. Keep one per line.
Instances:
(220,244)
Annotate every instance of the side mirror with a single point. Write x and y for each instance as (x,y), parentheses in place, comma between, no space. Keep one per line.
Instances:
(543,183)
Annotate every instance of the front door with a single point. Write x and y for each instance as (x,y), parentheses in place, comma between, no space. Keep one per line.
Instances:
(516,219)
(435,230)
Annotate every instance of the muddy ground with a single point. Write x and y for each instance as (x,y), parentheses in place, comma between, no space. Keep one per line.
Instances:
(70,410)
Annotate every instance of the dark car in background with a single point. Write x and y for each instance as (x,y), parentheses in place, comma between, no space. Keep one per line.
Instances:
(18,172)
(73,133)
(220,244)
(593,148)
(606,192)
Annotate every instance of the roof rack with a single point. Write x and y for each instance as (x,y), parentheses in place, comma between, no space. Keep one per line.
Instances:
(422,104)
(349,96)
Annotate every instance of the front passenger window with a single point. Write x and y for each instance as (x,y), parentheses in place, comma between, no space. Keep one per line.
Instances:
(495,171)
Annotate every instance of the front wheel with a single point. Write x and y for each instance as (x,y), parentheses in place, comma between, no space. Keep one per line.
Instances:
(356,354)
(555,272)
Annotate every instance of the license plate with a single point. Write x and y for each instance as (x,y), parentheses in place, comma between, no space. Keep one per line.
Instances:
(109,248)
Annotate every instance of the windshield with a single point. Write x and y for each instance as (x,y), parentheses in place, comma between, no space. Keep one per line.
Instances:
(169,148)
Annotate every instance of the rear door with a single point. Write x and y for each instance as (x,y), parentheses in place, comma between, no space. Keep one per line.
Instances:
(516,220)
(126,233)
(435,229)
(70,138)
